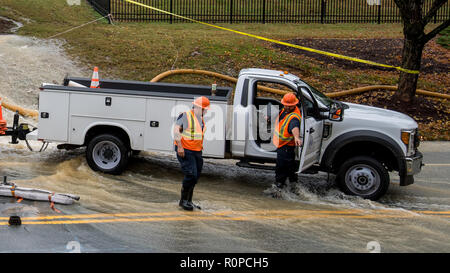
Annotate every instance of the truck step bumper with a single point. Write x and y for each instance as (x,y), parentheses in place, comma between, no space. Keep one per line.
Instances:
(245,164)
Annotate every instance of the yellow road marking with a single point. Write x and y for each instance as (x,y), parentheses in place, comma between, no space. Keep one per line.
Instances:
(219,213)
(106,215)
(222,215)
(241,218)
(192,218)
(431,212)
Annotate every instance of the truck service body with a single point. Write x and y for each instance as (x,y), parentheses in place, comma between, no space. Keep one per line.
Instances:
(360,144)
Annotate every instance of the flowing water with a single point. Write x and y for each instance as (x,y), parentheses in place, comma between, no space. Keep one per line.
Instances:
(152,184)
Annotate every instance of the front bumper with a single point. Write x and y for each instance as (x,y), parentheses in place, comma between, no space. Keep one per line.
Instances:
(413,165)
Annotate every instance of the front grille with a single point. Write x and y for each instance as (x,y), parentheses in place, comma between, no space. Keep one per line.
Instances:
(416,138)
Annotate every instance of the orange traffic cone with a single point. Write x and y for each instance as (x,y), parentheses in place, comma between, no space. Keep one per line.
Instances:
(3,124)
(95,80)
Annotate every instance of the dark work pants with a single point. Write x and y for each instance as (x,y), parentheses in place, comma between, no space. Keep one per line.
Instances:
(286,166)
(191,165)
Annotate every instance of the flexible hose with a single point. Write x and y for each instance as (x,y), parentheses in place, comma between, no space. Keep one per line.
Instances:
(276,91)
(385,87)
(34,114)
(212,74)
(193,71)
(22,111)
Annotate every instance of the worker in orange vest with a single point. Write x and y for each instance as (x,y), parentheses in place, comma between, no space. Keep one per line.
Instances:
(188,133)
(286,137)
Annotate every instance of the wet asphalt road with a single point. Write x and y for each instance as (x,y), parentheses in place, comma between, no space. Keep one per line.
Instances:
(239,216)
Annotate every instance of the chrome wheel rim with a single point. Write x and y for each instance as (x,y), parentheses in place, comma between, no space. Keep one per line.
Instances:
(106,155)
(362,179)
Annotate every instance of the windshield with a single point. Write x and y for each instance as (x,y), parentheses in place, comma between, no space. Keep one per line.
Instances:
(320,96)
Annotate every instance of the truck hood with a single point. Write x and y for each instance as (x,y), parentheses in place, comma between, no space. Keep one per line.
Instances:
(379,116)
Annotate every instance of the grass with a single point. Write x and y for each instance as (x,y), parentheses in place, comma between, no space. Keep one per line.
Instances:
(140,51)
(444,38)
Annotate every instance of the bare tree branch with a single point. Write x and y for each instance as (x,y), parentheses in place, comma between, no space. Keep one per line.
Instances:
(430,35)
(433,10)
(403,8)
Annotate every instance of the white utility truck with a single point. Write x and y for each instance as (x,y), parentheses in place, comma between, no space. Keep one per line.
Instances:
(360,144)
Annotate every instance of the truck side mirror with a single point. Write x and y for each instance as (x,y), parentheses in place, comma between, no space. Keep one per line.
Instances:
(336,112)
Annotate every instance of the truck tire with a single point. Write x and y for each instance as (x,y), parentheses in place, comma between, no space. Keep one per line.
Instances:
(363,176)
(108,154)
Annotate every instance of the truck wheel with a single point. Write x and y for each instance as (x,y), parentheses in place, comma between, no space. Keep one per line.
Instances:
(107,153)
(363,176)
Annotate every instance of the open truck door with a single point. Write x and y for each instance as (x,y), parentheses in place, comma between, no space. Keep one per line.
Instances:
(311,131)
(309,152)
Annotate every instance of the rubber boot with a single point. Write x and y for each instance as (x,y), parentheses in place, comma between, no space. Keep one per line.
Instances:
(191,193)
(184,203)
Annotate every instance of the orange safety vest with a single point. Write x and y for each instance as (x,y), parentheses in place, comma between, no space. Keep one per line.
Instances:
(192,137)
(282,136)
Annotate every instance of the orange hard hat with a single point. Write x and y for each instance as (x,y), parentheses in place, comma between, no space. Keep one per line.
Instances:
(289,99)
(202,102)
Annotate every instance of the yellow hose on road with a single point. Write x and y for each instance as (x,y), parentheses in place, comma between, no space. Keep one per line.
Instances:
(281,92)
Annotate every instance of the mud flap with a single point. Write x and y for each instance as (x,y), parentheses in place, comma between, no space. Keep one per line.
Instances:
(406,180)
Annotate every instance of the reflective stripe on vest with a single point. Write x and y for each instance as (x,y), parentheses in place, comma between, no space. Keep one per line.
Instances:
(282,136)
(192,136)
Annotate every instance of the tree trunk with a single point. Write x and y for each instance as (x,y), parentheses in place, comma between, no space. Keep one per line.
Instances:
(411,59)
(415,39)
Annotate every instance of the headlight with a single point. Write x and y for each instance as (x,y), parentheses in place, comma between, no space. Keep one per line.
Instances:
(407,137)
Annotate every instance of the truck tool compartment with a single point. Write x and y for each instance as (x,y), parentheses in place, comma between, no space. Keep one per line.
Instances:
(142,111)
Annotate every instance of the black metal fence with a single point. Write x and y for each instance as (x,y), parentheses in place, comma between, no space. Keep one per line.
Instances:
(263,11)
(101,6)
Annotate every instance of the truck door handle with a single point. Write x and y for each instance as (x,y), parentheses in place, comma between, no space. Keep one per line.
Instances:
(311,130)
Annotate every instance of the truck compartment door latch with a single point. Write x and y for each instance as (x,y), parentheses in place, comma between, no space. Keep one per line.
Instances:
(45,115)
(154,123)
(108,101)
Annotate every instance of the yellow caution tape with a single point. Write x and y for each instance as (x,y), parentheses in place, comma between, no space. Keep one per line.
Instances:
(279,42)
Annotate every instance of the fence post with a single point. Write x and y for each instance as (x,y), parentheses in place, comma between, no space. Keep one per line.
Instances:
(264,12)
(322,10)
(171,10)
(109,12)
(379,13)
(231,11)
